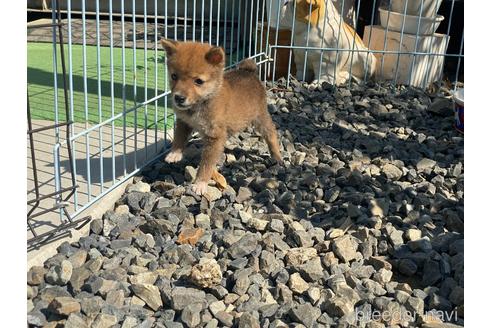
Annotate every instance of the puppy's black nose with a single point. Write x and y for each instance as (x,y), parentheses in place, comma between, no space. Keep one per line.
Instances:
(179,99)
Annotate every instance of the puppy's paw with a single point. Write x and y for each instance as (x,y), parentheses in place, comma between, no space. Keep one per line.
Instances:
(174,156)
(342,78)
(199,188)
(275,160)
(280,162)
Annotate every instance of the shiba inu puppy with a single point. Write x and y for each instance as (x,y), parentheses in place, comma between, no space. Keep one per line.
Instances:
(214,103)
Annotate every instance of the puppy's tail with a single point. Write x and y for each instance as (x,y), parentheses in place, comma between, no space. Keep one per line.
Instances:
(248,65)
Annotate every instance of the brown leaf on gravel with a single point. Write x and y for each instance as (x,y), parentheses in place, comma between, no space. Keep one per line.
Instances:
(219,180)
(190,236)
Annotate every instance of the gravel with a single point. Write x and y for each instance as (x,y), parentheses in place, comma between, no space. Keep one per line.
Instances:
(365,215)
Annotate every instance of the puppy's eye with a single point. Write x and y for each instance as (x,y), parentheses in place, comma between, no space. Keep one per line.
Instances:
(174,77)
(199,81)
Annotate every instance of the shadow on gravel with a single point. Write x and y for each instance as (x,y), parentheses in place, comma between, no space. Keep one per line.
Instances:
(356,160)
(392,150)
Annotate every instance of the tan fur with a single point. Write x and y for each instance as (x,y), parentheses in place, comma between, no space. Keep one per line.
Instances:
(352,32)
(310,11)
(226,103)
(321,25)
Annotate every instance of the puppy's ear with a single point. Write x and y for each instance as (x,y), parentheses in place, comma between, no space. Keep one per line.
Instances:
(169,46)
(215,56)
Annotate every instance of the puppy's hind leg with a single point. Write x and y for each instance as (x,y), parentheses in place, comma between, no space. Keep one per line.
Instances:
(266,128)
(181,134)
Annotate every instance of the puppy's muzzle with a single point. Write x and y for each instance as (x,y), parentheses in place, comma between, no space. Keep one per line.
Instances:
(180,102)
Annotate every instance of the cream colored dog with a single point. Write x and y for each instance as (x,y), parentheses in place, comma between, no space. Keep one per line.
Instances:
(318,24)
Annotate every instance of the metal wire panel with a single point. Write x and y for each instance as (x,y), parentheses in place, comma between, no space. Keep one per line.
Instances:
(117,90)
(404,44)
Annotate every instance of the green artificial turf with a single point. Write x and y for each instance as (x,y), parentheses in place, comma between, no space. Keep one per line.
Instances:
(86,105)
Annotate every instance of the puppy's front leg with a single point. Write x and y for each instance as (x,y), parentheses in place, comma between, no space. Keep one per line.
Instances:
(181,134)
(213,148)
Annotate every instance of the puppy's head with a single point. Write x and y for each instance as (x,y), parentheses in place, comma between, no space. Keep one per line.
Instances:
(195,71)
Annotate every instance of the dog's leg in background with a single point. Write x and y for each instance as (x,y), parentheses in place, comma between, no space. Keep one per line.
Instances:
(324,69)
(181,134)
(212,150)
(299,60)
(265,126)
